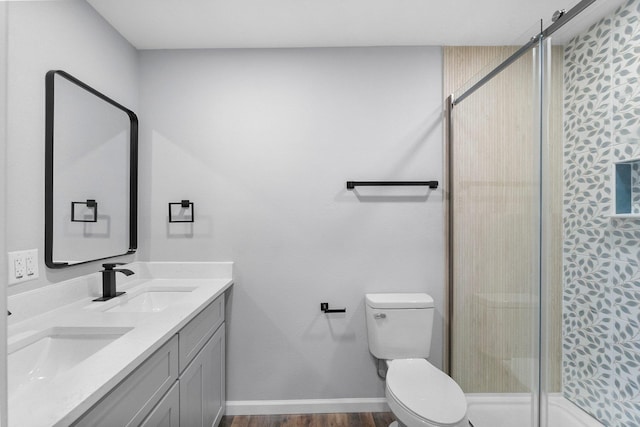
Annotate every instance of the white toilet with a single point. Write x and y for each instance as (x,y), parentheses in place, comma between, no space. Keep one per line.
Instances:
(419,394)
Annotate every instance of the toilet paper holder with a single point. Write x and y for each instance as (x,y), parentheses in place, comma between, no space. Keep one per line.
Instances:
(324,307)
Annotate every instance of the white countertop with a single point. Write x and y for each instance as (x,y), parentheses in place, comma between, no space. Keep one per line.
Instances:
(61,400)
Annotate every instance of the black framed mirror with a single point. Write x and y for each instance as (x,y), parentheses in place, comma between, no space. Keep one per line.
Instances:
(91,174)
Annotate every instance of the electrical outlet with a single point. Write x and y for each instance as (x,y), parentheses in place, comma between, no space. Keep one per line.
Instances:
(31,263)
(23,266)
(19,268)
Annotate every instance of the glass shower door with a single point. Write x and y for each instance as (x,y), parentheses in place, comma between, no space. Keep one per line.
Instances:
(544,268)
(495,201)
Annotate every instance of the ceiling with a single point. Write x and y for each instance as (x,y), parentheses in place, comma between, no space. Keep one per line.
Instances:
(184,24)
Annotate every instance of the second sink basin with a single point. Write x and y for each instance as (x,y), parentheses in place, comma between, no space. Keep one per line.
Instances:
(43,355)
(150,300)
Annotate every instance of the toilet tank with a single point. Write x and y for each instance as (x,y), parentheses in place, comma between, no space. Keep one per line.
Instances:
(399,325)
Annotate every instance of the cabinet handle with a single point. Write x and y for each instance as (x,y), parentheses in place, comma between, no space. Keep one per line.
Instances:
(379,316)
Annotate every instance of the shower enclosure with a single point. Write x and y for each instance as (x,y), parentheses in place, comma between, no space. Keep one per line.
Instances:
(544,222)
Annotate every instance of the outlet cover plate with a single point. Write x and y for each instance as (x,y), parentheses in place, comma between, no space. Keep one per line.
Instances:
(23,266)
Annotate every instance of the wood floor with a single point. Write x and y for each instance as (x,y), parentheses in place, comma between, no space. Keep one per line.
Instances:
(364,419)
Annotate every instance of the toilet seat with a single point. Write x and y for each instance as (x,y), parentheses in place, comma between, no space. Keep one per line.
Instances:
(421,395)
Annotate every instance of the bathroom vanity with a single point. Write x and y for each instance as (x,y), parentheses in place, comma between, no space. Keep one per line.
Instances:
(153,356)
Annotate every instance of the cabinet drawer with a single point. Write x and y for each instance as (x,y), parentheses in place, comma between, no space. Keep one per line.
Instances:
(132,400)
(197,332)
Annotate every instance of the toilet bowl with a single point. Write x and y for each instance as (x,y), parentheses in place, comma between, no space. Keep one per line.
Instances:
(399,332)
(421,395)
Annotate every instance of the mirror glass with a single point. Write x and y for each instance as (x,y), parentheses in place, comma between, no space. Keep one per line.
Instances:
(91,174)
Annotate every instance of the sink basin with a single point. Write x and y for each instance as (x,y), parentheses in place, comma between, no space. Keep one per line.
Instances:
(150,301)
(43,355)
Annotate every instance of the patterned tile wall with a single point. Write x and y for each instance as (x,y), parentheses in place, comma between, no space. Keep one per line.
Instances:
(601,303)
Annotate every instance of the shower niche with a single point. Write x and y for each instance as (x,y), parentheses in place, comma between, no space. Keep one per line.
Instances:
(626,189)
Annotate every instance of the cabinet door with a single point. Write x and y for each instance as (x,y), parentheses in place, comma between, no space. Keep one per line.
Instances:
(202,385)
(167,411)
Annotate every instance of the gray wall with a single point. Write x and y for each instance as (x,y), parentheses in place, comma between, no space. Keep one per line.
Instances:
(46,35)
(262,141)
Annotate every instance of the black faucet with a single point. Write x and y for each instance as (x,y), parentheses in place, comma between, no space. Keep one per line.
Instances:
(109,280)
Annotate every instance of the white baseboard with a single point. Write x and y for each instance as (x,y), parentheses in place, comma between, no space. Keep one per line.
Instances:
(305,406)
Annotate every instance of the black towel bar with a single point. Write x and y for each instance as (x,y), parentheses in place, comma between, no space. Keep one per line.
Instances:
(352,184)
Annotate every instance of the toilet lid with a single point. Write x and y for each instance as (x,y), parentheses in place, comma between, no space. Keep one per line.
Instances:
(427,391)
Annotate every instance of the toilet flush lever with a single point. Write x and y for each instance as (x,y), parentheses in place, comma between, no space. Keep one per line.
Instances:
(379,316)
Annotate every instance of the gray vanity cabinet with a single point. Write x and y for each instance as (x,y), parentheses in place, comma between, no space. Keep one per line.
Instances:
(202,391)
(129,403)
(181,384)
(202,362)
(199,330)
